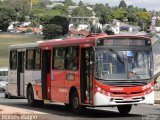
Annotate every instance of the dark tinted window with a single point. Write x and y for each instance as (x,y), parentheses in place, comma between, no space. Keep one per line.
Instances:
(72,58)
(13,60)
(37,58)
(58,58)
(29,59)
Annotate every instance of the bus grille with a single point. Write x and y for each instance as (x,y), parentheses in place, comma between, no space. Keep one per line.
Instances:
(121,100)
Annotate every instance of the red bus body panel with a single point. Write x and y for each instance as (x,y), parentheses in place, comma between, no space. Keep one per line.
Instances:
(59,82)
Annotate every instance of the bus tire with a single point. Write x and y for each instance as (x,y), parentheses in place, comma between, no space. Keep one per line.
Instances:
(7,95)
(75,106)
(30,97)
(124,109)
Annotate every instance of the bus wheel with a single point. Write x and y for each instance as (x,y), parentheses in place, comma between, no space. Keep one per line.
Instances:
(7,95)
(30,97)
(124,109)
(75,106)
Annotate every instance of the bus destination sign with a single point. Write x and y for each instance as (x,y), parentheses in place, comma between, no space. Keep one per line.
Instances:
(122,42)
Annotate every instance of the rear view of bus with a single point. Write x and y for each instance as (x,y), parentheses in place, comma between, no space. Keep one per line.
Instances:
(123,72)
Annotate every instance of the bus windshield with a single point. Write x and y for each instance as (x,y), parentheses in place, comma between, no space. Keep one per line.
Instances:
(123,64)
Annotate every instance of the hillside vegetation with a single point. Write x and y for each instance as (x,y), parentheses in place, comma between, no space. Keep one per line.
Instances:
(8,39)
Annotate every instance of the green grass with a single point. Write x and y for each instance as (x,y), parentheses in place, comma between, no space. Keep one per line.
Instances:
(8,39)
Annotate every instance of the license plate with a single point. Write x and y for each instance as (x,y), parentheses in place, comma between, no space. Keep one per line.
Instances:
(128,99)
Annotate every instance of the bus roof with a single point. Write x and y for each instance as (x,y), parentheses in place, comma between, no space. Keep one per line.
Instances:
(28,45)
(130,36)
(88,39)
(66,41)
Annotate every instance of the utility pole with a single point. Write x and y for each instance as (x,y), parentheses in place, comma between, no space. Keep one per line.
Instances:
(31,4)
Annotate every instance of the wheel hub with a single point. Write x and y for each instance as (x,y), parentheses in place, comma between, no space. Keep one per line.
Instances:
(75,102)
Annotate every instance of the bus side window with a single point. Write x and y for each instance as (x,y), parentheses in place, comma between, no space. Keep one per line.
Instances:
(72,58)
(58,58)
(29,59)
(13,60)
(37,58)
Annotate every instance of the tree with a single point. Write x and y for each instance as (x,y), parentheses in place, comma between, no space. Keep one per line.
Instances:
(131,15)
(51,24)
(20,6)
(7,15)
(69,2)
(144,15)
(99,8)
(92,28)
(95,28)
(109,30)
(82,11)
(62,21)
(119,14)
(132,18)
(35,1)
(122,4)
(143,20)
(158,22)
(51,31)
(62,9)
(103,12)
(81,3)
(21,18)
(102,19)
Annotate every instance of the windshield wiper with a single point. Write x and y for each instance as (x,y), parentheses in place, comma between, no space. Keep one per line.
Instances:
(119,57)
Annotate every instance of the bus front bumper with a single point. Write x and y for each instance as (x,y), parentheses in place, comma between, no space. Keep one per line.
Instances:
(103,100)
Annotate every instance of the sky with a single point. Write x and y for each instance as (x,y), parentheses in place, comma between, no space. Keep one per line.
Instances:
(148,4)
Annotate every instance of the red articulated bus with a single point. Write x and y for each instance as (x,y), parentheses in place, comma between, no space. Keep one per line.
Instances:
(95,71)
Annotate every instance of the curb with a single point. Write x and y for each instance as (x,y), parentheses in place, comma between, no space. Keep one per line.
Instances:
(2,95)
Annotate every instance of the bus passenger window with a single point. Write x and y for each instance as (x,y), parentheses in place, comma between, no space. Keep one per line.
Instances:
(72,58)
(13,60)
(58,58)
(37,59)
(29,59)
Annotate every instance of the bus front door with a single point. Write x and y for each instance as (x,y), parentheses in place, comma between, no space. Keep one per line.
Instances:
(20,74)
(46,74)
(86,80)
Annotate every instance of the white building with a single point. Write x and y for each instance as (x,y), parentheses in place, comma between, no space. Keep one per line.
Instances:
(54,5)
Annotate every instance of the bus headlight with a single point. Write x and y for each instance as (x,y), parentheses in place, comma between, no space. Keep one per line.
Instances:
(152,88)
(98,89)
(109,94)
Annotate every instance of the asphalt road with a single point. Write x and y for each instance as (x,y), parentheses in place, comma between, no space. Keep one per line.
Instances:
(140,112)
